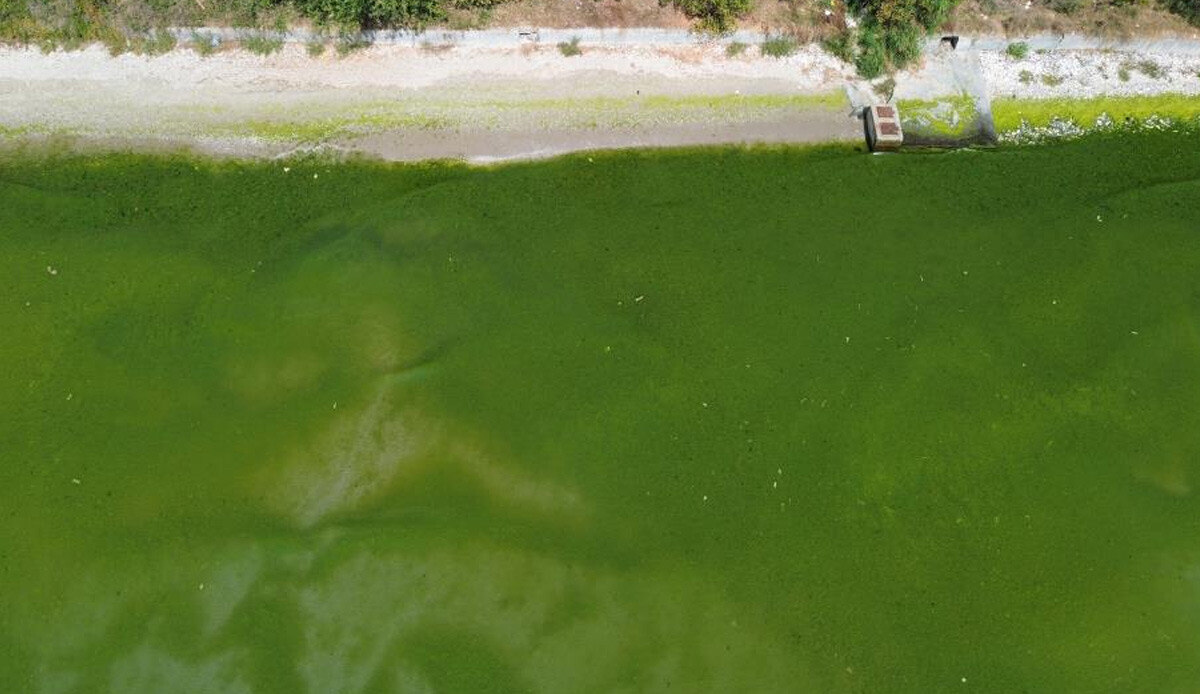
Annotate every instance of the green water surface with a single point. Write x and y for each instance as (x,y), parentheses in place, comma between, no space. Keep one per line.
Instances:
(695,421)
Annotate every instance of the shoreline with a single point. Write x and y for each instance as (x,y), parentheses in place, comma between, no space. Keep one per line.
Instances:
(484,103)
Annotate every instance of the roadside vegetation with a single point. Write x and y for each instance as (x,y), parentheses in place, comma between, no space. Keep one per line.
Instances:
(1009,114)
(877,36)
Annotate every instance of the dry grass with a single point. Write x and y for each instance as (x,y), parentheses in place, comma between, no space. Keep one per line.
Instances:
(1010,18)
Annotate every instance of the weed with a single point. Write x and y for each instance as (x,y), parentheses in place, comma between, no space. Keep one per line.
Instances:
(1051,80)
(204,43)
(885,89)
(1017,50)
(570,48)
(259,44)
(778,46)
(1150,69)
(840,46)
(315,47)
(1123,73)
(350,42)
(735,48)
(1026,77)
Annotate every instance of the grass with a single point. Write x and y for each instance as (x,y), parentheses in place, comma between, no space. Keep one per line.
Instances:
(1026,77)
(708,418)
(734,49)
(315,48)
(779,46)
(261,44)
(948,117)
(1051,80)
(570,48)
(1008,114)
(1018,50)
(204,43)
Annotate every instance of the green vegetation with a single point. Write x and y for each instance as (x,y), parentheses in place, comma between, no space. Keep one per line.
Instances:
(315,48)
(350,42)
(713,16)
(840,46)
(706,421)
(1017,50)
(1008,114)
(1149,68)
(260,44)
(1051,80)
(735,48)
(949,117)
(779,46)
(1123,73)
(570,48)
(204,43)
(1025,77)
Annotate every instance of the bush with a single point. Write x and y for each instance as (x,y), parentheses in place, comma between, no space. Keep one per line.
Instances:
(204,43)
(713,16)
(871,60)
(315,48)
(350,42)
(570,48)
(362,14)
(1188,9)
(735,48)
(1150,69)
(262,45)
(1017,50)
(1067,7)
(840,46)
(778,46)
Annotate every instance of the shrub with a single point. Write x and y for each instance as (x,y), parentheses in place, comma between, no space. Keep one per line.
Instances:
(570,48)
(713,16)
(359,14)
(902,44)
(840,46)
(1017,50)
(1026,77)
(262,45)
(204,43)
(350,42)
(1067,7)
(1123,73)
(1188,9)
(1150,69)
(315,47)
(778,46)
(735,48)
(871,60)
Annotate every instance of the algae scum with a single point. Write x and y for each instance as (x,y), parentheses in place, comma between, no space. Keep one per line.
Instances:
(711,420)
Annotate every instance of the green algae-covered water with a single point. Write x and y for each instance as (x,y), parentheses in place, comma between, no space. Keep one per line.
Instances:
(699,421)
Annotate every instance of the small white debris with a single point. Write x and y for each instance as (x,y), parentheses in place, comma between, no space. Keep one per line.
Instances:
(847,339)
(964,679)
(704,404)
(607,348)
(69,396)
(638,299)
(51,269)
(706,497)
(1098,219)
(201,586)
(287,169)
(964,272)
(314,175)
(1133,332)
(335,404)
(75,480)
(1054,301)
(775,485)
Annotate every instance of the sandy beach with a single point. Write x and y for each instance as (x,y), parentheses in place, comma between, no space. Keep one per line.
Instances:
(478,97)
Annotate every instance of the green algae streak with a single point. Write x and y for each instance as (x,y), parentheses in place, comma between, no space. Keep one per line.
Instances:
(706,421)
